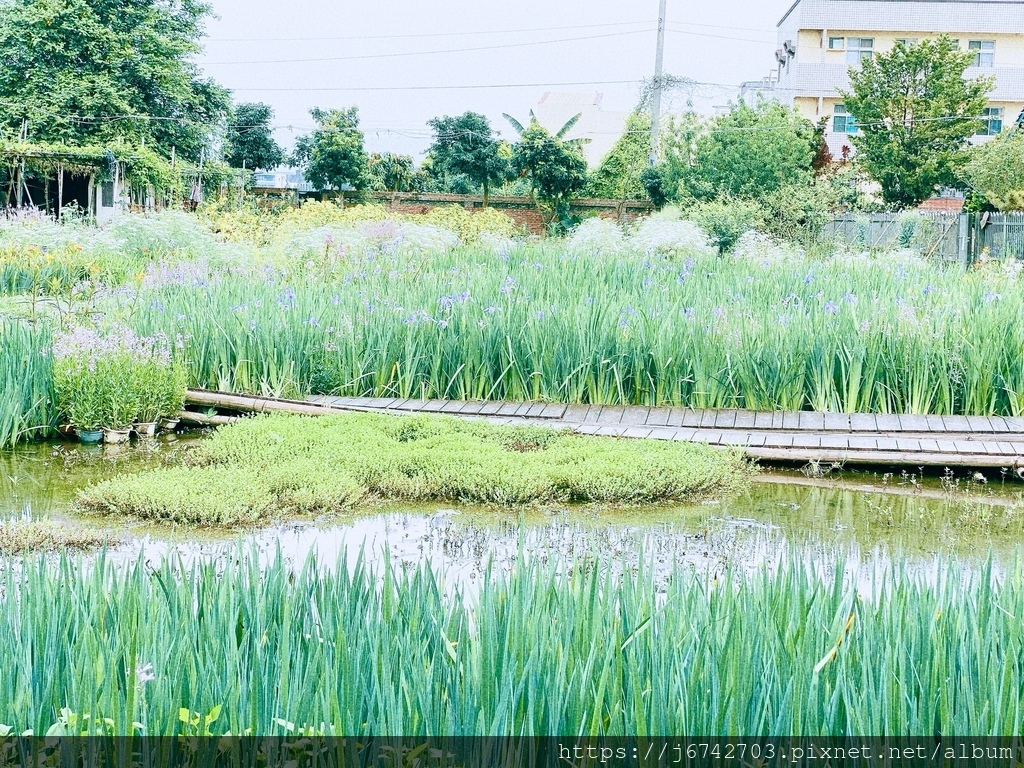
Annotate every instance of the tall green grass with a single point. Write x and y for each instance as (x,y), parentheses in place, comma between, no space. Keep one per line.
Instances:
(539,651)
(539,323)
(26,385)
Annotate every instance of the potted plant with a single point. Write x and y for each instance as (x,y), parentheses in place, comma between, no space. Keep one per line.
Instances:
(79,396)
(121,397)
(148,385)
(172,396)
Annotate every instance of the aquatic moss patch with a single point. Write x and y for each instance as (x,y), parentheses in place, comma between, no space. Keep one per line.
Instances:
(20,535)
(278,465)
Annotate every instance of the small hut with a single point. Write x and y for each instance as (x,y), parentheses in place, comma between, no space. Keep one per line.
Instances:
(96,182)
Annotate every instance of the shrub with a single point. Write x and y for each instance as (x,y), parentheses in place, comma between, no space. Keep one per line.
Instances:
(470,226)
(725,219)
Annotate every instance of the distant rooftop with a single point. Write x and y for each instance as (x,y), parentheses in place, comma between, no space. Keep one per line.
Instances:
(602,128)
(940,12)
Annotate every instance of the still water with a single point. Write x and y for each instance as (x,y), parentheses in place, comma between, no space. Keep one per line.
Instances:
(853,515)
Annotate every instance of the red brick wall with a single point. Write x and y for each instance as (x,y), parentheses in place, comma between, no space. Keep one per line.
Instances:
(521,209)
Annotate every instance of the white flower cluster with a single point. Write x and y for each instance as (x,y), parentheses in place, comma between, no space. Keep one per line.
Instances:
(651,235)
(763,249)
(596,237)
(668,237)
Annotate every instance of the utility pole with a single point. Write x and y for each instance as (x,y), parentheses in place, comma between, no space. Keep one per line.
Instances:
(659,72)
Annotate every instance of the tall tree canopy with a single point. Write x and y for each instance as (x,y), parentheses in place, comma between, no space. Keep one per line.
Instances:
(466,146)
(249,142)
(996,170)
(390,172)
(748,152)
(556,172)
(751,152)
(915,111)
(332,156)
(94,71)
(620,174)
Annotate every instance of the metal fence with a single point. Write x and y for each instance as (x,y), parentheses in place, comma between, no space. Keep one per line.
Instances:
(954,237)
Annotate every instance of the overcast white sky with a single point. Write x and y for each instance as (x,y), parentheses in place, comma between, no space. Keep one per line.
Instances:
(379,46)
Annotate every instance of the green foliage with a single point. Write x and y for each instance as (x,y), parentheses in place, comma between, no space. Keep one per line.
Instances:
(556,172)
(621,173)
(390,172)
(466,146)
(726,218)
(250,138)
(26,384)
(996,170)
(768,331)
(333,157)
(916,112)
(654,186)
(749,152)
(69,59)
(247,641)
(114,379)
(308,465)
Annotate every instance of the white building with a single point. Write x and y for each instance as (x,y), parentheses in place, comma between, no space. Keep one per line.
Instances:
(819,40)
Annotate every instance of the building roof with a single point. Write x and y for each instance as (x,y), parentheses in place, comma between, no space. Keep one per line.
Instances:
(911,15)
(602,128)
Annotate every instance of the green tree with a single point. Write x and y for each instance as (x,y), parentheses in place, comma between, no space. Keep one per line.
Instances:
(996,170)
(916,112)
(556,172)
(332,156)
(751,152)
(466,146)
(95,71)
(390,172)
(621,173)
(249,142)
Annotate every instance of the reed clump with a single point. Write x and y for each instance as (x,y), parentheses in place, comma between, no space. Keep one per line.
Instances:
(546,649)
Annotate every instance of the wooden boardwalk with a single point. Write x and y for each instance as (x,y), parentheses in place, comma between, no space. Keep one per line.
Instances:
(917,441)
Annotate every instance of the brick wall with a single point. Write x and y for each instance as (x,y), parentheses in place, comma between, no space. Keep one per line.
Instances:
(521,209)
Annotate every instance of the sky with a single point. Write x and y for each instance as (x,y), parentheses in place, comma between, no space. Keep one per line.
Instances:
(403,62)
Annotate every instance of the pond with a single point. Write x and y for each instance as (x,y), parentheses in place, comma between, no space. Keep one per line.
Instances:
(853,514)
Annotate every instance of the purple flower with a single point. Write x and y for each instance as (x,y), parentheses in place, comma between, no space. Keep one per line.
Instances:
(831,308)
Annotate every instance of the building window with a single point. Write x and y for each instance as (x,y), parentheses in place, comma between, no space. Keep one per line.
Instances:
(837,43)
(907,41)
(984,52)
(992,121)
(859,50)
(107,194)
(843,121)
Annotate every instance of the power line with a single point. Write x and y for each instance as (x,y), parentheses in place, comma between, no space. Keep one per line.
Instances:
(721,26)
(719,37)
(401,54)
(447,87)
(424,34)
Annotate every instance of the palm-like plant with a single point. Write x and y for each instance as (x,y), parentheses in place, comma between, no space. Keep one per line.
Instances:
(560,134)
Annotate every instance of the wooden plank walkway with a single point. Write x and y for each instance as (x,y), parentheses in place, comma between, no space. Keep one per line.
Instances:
(917,441)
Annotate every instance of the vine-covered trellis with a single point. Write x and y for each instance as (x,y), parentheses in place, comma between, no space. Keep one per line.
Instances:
(140,173)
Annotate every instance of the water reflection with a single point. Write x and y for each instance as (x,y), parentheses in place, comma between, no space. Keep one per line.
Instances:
(865,515)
